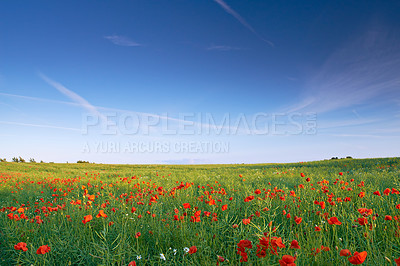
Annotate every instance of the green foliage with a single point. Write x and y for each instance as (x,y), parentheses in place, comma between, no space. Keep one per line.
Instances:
(82,161)
(44,187)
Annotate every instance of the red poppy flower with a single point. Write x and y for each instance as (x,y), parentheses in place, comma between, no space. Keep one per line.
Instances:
(377,193)
(138,234)
(246,221)
(91,197)
(325,248)
(297,220)
(302,175)
(192,250)
(245,244)
(43,249)
(186,205)
(277,242)
(220,258)
(249,198)
(315,251)
(358,258)
(317,229)
(101,214)
(195,219)
(388,218)
(224,207)
(397,261)
(21,246)
(362,221)
(241,249)
(287,260)
(334,220)
(365,211)
(345,253)
(294,244)
(132,263)
(87,218)
(386,191)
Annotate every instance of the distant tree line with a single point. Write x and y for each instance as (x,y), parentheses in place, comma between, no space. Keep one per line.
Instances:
(336,158)
(31,160)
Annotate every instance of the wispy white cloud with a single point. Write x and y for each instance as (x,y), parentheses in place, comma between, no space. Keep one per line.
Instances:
(222,48)
(291,78)
(347,123)
(356,113)
(74,97)
(239,18)
(37,99)
(121,40)
(38,125)
(357,136)
(227,124)
(80,102)
(368,69)
(10,106)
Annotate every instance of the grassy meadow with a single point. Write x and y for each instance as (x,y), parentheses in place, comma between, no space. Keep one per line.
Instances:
(333,212)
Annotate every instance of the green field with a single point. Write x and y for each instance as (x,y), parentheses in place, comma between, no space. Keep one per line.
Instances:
(149,210)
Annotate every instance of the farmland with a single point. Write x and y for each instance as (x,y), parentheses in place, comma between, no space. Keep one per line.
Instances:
(333,212)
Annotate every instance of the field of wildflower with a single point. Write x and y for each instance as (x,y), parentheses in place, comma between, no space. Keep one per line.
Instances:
(333,212)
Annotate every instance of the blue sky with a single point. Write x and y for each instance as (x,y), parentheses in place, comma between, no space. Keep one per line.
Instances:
(141,81)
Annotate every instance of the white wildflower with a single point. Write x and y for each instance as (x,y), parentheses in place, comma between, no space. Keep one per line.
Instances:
(162,256)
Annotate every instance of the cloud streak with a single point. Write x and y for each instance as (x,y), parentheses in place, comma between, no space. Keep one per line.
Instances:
(222,48)
(122,41)
(74,97)
(39,125)
(242,21)
(210,126)
(30,98)
(365,71)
